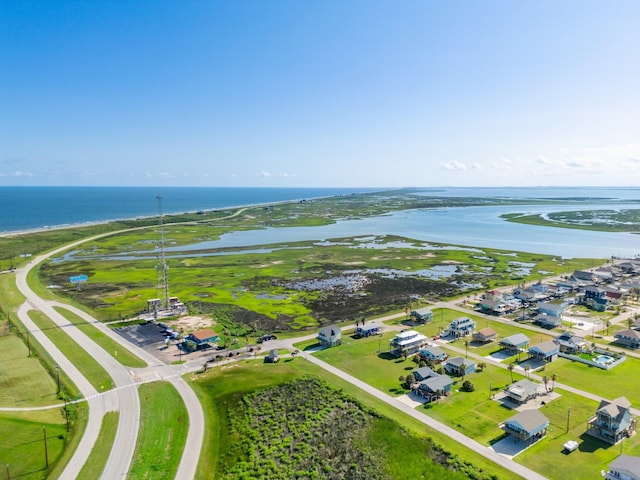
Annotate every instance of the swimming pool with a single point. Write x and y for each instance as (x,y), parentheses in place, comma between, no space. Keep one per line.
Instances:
(603,359)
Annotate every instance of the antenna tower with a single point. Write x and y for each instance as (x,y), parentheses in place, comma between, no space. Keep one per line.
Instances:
(163,278)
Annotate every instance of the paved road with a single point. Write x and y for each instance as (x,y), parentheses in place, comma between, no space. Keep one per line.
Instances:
(122,399)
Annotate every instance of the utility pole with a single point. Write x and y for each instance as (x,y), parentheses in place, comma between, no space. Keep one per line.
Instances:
(163,283)
(46,453)
(568,417)
(58,376)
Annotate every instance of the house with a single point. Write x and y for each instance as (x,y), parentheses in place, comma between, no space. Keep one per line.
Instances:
(493,307)
(529,294)
(570,343)
(423,373)
(625,467)
(330,336)
(485,335)
(435,387)
(527,426)
(433,354)
(203,337)
(407,342)
(459,366)
(272,357)
(522,391)
(547,321)
(584,275)
(569,284)
(545,351)
(613,421)
(461,327)
(423,315)
(595,293)
(629,338)
(368,329)
(551,309)
(515,343)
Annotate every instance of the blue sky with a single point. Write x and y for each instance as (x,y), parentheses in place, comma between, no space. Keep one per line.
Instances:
(320,93)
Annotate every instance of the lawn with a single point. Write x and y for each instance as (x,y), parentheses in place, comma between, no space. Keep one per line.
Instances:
(88,366)
(164,423)
(22,447)
(24,382)
(102,448)
(122,355)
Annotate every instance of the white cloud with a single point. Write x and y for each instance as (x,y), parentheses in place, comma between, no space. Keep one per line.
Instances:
(477,166)
(541,159)
(264,174)
(20,173)
(454,165)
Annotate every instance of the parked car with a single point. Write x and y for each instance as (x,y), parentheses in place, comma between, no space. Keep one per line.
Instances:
(266,338)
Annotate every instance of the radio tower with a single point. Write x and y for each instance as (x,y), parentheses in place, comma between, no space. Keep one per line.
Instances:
(163,278)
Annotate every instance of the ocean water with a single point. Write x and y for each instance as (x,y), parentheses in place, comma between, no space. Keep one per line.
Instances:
(29,208)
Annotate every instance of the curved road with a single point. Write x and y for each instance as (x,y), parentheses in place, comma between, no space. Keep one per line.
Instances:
(124,398)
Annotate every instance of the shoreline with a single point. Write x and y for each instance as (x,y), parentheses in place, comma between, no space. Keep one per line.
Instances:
(16,233)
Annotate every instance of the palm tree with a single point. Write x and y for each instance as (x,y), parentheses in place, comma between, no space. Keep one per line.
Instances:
(545,380)
(527,367)
(553,379)
(482,366)
(511,367)
(466,349)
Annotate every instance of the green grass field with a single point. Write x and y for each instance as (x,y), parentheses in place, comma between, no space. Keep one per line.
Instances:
(100,452)
(221,388)
(24,382)
(124,356)
(88,366)
(164,423)
(22,446)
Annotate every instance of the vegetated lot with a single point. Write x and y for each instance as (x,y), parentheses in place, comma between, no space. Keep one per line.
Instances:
(100,452)
(287,286)
(88,366)
(621,220)
(124,356)
(22,448)
(403,452)
(23,380)
(164,423)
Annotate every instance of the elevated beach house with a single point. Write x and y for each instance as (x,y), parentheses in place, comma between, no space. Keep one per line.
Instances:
(421,315)
(431,385)
(330,336)
(629,338)
(461,327)
(613,421)
(625,467)
(522,391)
(527,426)
(570,343)
(545,351)
(368,329)
(515,343)
(407,343)
(459,366)
(485,335)
(433,354)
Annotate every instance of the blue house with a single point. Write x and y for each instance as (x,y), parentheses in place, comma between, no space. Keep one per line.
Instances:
(423,315)
(613,421)
(330,336)
(547,321)
(433,354)
(459,366)
(551,309)
(545,351)
(527,426)
(515,343)
(423,373)
(461,327)
(372,328)
(431,385)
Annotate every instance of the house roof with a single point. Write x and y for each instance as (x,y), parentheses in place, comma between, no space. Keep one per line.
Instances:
(329,331)
(369,326)
(424,372)
(425,311)
(515,340)
(461,321)
(553,307)
(615,409)
(627,464)
(459,361)
(524,386)
(545,347)
(485,332)
(530,421)
(629,333)
(204,334)
(434,352)
(437,383)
